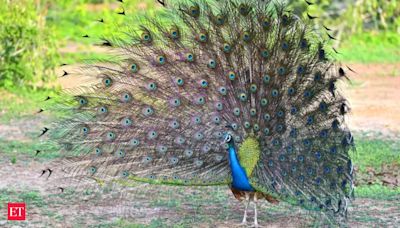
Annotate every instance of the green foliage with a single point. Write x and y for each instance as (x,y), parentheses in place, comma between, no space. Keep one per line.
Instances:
(369,47)
(27,48)
(374,153)
(366,30)
(367,15)
(13,160)
(21,102)
(75,18)
(354,16)
(32,198)
(377,192)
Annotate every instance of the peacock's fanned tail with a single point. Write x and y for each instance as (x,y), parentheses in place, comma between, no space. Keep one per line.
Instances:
(158,113)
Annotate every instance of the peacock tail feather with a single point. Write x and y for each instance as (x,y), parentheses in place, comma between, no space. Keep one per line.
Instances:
(158,112)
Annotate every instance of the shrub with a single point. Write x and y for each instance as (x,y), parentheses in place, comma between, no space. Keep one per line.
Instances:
(27,47)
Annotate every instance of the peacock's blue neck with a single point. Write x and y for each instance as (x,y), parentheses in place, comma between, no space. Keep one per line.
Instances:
(240,181)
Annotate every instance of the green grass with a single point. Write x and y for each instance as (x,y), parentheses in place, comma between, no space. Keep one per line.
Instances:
(71,21)
(377,192)
(16,149)
(82,57)
(21,102)
(375,152)
(381,47)
(30,197)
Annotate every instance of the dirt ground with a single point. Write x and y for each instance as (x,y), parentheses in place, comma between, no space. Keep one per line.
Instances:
(374,96)
(164,206)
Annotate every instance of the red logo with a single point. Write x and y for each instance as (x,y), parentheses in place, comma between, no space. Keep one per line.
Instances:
(16,211)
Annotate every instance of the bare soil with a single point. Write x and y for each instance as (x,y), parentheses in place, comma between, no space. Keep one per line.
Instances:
(162,205)
(374,97)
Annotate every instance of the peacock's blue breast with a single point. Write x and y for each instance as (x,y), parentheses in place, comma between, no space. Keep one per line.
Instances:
(240,180)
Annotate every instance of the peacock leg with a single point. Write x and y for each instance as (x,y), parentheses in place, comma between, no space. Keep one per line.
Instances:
(246,203)
(255,211)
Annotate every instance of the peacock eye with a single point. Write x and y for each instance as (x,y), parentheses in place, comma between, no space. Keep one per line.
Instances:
(125,174)
(98,151)
(265,24)
(107,81)
(253,111)
(203,37)
(236,111)
(103,110)
(264,102)
(194,11)
(285,46)
(126,122)
(266,79)
(243,97)
(92,170)
(212,64)
(134,68)
(146,37)
(126,97)
(82,101)
(264,54)
(303,44)
(291,91)
(161,59)
(120,153)
(281,70)
(190,57)
(246,37)
(253,88)
(232,75)
(174,33)
(317,76)
(200,100)
(222,91)
(227,48)
(274,93)
(148,111)
(152,86)
(85,130)
(175,102)
(203,83)
(110,136)
(179,81)
(285,20)
(152,135)
(220,20)
(134,142)
(244,9)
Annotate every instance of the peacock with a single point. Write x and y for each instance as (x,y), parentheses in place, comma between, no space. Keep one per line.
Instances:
(220,92)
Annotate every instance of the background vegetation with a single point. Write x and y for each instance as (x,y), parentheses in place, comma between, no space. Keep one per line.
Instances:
(32,30)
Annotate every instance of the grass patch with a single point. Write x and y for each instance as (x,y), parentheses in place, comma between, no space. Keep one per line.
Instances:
(17,148)
(71,21)
(21,102)
(82,57)
(371,48)
(31,197)
(377,192)
(375,152)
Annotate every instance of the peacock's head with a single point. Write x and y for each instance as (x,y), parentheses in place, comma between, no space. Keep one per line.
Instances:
(229,136)
(228,139)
